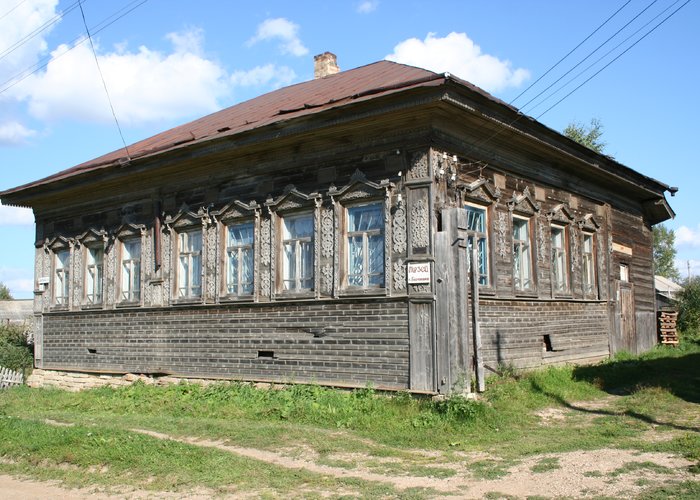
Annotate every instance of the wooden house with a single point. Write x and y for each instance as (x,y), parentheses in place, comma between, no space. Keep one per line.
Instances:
(323,232)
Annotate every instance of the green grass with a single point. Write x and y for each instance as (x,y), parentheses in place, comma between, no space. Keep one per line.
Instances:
(660,394)
(545,465)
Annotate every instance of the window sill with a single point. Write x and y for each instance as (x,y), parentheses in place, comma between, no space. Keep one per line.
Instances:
(126,303)
(186,301)
(287,294)
(89,307)
(362,292)
(236,298)
(527,294)
(59,308)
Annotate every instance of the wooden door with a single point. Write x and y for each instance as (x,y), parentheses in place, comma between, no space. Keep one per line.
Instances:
(625,326)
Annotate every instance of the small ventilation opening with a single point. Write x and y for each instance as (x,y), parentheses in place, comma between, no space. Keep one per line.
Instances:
(92,351)
(266,354)
(547,341)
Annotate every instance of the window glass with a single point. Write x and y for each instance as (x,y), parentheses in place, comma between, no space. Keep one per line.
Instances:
(588,264)
(94,266)
(189,277)
(522,256)
(131,270)
(560,261)
(298,252)
(365,246)
(476,234)
(62,274)
(239,261)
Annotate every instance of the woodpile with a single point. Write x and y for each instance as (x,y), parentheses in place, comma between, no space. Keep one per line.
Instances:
(667,327)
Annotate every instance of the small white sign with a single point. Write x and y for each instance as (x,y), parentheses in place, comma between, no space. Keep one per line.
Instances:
(419,273)
(44,280)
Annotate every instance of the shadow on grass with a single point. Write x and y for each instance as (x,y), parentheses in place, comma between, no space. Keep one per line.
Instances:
(679,375)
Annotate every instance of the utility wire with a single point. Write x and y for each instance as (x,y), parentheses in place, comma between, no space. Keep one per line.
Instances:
(590,54)
(504,126)
(43,63)
(11,10)
(104,84)
(570,52)
(615,59)
(585,70)
(48,24)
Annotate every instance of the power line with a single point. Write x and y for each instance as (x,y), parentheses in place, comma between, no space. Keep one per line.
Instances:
(615,59)
(570,52)
(11,10)
(79,40)
(590,53)
(603,56)
(104,84)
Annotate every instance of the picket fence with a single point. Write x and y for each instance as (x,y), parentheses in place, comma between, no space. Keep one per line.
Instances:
(8,378)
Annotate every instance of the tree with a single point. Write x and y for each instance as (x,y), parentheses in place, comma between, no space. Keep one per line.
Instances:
(587,135)
(689,307)
(4,292)
(665,253)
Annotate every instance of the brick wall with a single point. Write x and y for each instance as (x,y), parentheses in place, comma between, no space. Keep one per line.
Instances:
(348,342)
(513,332)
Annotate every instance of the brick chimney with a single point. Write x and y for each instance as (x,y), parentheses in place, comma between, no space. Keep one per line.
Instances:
(325,64)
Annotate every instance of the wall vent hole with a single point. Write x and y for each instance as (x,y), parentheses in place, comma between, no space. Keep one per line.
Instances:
(266,354)
(92,351)
(547,343)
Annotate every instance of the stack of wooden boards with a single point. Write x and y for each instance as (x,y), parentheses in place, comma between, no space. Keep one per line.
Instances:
(667,327)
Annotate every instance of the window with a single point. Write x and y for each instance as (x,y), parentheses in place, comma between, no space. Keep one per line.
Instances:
(62,277)
(94,265)
(189,271)
(131,270)
(624,273)
(522,254)
(298,252)
(476,235)
(588,264)
(365,246)
(560,260)
(239,259)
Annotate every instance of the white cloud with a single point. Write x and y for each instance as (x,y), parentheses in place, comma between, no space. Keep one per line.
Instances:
(688,265)
(456,53)
(15,216)
(144,85)
(367,6)
(283,30)
(14,133)
(269,74)
(19,281)
(19,47)
(688,237)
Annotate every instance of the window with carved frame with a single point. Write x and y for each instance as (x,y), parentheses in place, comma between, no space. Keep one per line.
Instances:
(94,274)
(477,237)
(588,264)
(62,275)
(240,258)
(189,263)
(364,263)
(522,254)
(560,258)
(297,252)
(130,270)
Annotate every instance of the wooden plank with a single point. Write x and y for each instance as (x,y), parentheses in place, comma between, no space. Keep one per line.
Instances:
(476,328)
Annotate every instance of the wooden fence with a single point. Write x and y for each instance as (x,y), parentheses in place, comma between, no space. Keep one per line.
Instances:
(8,378)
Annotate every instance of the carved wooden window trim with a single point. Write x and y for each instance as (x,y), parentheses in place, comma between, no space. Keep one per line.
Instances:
(560,259)
(523,275)
(189,264)
(182,227)
(294,204)
(240,249)
(127,235)
(94,265)
(61,261)
(234,214)
(474,234)
(589,262)
(365,236)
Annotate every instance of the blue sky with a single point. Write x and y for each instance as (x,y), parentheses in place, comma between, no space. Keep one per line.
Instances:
(169,61)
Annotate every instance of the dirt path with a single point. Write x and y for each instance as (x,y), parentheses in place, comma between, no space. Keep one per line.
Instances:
(605,472)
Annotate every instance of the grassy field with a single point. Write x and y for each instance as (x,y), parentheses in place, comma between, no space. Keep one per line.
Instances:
(93,438)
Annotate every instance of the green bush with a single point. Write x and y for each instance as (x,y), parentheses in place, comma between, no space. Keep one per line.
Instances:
(689,307)
(16,351)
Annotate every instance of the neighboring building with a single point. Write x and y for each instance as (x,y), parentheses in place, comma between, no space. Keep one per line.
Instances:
(16,312)
(666,293)
(319,233)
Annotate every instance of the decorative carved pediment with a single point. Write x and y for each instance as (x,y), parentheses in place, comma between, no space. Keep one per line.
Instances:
(561,213)
(523,203)
(187,218)
(129,231)
(58,243)
(237,210)
(588,223)
(93,236)
(360,187)
(292,199)
(480,189)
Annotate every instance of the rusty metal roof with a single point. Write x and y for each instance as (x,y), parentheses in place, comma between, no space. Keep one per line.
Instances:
(307,98)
